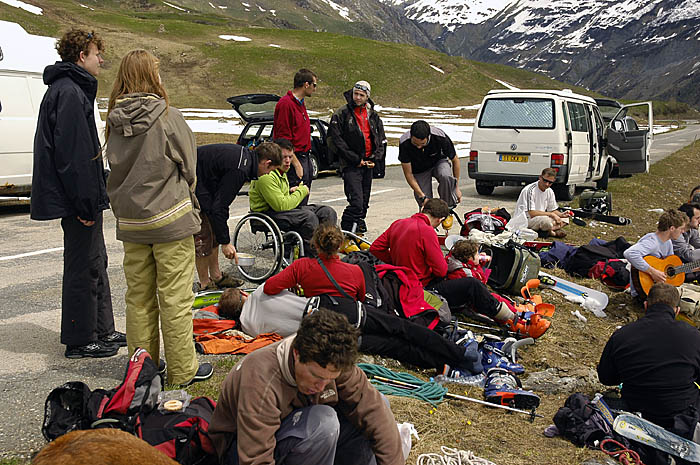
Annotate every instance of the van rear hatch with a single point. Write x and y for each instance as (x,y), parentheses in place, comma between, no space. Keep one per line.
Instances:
(516,135)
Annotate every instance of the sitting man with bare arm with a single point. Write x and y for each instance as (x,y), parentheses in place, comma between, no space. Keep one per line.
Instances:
(538,202)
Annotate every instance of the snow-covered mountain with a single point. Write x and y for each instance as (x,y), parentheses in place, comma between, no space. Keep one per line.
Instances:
(623,48)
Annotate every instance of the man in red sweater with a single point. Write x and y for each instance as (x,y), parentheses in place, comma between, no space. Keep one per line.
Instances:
(291,122)
(413,243)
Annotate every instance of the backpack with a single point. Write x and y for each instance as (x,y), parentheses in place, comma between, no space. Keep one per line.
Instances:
(612,272)
(66,410)
(375,295)
(182,436)
(512,266)
(582,423)
(493,222)
(587,256)
(136,396)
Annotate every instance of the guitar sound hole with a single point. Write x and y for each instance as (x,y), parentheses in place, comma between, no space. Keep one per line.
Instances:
(670,272)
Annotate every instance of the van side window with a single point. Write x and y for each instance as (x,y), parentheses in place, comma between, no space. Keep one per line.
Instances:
(579,121)
(526,113)
(566,116)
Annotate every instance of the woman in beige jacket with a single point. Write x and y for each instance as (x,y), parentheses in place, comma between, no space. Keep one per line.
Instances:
(152,154)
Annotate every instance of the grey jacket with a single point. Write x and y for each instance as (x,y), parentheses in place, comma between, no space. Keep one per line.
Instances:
(687,246)
(153,157)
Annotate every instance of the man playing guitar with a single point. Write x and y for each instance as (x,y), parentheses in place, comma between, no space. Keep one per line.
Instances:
(672,223)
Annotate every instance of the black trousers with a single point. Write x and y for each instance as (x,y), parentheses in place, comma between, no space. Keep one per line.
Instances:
(391,336)
(304,219)
(307,177)
(357,183)
(86,300)
(466,291)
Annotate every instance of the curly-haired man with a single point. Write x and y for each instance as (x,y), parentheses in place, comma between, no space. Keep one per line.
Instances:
(69,183)
(302,400)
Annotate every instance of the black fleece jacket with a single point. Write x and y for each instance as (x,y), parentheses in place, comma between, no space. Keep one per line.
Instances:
(657,360)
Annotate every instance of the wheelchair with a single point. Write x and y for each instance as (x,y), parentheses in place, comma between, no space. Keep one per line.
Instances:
(257,235)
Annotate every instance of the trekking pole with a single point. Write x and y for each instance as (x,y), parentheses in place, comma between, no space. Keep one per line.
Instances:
(404,385)
(501,331)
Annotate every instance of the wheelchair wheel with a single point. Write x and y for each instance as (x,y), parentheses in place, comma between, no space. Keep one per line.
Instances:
(256,234)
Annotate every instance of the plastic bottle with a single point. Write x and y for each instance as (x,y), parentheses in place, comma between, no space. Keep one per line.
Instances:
(474,380)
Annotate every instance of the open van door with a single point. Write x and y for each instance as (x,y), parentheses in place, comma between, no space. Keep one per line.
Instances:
(627,143)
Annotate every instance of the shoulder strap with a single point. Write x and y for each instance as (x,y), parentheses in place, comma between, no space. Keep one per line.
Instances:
(335,283)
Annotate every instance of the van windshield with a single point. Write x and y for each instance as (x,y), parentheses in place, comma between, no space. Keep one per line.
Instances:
(526,113)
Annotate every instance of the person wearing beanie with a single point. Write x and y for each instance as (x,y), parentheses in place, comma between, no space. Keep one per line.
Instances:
(356,137)
(426,152)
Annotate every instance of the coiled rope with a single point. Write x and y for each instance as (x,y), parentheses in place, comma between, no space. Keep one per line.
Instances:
(426,391)
(620,452)
(452,456)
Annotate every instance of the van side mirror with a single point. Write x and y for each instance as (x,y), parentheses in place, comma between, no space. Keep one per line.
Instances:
(617,125)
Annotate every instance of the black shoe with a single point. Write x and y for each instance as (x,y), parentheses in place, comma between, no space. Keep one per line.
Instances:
(115,338)
(204,372)
(162,366)
(96,349)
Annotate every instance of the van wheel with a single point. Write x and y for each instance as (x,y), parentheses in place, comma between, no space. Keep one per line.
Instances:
(602,183)
(483,188)
(564,191)
(314,165)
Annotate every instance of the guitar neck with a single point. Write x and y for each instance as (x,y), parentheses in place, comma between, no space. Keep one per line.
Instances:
(686,267)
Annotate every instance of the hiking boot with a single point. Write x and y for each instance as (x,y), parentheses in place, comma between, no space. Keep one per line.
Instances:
(115,338)
(529,323)
(504,388)
(447,222)
(349,246)
(204,372)
(227,280)
(97,349)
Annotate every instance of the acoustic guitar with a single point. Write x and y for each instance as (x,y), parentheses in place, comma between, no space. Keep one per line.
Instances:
(672,265)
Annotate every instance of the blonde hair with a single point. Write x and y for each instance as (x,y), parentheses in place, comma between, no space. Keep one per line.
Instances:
(138,72)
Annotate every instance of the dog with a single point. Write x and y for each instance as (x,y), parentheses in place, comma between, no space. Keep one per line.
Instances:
(100,447)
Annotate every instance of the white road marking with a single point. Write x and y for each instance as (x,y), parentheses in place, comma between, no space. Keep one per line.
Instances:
(371,195)
(29,254)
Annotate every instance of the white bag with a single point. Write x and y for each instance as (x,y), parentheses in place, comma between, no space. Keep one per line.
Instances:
(406,430)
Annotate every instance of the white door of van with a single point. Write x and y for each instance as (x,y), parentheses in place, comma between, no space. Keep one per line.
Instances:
(580,142)
(630,145)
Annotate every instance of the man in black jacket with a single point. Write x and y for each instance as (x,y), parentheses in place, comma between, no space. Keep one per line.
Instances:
(68,182)
(657,360)
(357,135)
(222,169)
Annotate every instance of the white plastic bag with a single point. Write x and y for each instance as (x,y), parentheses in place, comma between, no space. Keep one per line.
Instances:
(406,430)
(517,223)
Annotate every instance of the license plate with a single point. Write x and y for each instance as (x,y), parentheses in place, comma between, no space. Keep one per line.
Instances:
(515,158)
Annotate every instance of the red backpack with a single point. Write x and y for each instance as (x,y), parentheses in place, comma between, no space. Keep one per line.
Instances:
(611,272)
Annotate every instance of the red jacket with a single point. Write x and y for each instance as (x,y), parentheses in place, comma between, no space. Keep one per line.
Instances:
(291,122)
(413,243)
(313,280)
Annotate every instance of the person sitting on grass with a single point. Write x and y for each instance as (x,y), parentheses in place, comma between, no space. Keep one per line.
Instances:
(538,202)
(464,261)
(304,401)
(382,333)
(687,246)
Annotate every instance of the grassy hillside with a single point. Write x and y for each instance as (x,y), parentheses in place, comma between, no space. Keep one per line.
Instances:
(200,69)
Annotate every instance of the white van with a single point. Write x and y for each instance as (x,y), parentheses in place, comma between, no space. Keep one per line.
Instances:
(23,58)
(518,133)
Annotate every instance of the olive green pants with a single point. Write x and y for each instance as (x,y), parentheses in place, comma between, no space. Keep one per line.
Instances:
(159,286)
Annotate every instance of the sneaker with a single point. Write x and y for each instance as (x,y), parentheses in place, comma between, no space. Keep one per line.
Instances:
(504,388)
(115,338)
(204,372)
(227,280)
(97,349)
(349,246)
(447,222)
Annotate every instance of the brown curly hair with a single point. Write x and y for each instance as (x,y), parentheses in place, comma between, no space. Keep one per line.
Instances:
(327,338)
(465,250)
(75,41)
(327,239)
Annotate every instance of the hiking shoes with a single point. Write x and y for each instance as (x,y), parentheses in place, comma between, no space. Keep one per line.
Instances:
(204,372)
(114,338)
(227,280)
(97,349)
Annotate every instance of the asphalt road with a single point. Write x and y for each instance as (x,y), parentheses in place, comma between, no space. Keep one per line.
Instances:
(31,356)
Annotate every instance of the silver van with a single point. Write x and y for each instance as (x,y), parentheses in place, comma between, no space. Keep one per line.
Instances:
(518,133)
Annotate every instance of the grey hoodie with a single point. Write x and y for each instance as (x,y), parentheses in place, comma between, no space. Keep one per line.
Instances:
(153,157)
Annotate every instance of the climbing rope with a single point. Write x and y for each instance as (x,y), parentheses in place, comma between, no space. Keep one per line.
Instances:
(452,456)
(429,391)
(624,455)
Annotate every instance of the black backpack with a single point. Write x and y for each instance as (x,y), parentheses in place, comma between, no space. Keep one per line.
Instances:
(182,436)
(583,424)
(66,410)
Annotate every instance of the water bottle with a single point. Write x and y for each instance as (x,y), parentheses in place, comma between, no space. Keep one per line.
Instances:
(474,380)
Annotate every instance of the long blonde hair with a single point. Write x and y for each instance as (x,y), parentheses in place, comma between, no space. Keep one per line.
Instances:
(138,72)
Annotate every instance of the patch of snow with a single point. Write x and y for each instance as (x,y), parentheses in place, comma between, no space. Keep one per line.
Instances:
(343,11)
(437,69)
(275,46)
(260,8)
(174,6)
(88,7)
(223,7)
(25,6)
(451,13)
(235,38)
(506,85)
(212,5)
(247,5)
